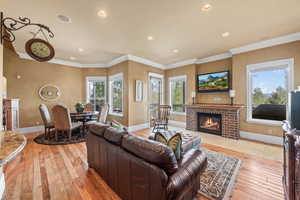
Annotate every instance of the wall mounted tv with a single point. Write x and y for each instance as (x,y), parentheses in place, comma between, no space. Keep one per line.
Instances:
(213,82)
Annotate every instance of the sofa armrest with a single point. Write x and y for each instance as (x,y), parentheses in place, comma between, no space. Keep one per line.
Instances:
(192,164)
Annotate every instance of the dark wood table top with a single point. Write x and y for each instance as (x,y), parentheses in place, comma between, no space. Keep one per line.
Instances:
(84,114)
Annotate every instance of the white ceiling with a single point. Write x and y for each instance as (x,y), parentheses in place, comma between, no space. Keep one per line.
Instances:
(174,24)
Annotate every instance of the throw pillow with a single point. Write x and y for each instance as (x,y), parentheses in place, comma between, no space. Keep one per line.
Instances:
(175,143)
(118,126)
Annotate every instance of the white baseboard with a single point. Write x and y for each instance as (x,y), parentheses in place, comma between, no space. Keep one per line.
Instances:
(2,184)
(261,138)
(138,127)
(177,124)
(30,129)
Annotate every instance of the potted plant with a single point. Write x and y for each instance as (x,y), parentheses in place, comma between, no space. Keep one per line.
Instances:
(79,107)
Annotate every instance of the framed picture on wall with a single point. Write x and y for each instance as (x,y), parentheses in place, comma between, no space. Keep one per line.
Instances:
(138,90)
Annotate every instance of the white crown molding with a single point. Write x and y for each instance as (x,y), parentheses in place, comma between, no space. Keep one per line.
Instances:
(181,63)
(242,49)
(266,43)
(214,58)
(145,61)
(94,65)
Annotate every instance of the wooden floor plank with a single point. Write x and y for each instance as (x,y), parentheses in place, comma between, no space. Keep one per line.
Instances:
(61,172)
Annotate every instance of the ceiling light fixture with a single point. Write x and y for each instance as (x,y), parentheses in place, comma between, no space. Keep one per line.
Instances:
(102,14)
(80,49)
(175,51)
(226,34)
(150,38)
(206,7)
(64,19)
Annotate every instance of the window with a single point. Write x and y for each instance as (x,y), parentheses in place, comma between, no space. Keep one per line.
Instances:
(269,84)
(96,91)
(177,87)
(116,94)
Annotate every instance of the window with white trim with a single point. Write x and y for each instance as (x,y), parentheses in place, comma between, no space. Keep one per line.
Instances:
(269,84)
(116,94)
(96,91)
(177,90)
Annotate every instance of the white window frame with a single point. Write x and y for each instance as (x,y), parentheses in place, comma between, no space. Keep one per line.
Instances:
(283,64)
(161,76)
(111,78)
(174,78)
(95,79)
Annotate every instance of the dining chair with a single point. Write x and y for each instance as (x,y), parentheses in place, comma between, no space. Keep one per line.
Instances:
(48,123)
(162,120)
(101,118)
(62,121)
(88,107)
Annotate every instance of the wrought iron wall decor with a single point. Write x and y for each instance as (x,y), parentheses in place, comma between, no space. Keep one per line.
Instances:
(39,49)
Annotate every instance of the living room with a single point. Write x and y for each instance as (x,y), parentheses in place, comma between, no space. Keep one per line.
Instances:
(215,97)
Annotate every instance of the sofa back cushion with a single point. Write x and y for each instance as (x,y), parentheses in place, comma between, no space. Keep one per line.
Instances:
(98,128)
(151,151)
(114,135)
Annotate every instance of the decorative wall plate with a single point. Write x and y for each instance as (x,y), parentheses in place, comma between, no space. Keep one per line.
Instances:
(49,92)
(39,49)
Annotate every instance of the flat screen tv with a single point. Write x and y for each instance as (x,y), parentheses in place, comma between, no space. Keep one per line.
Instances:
(213,82)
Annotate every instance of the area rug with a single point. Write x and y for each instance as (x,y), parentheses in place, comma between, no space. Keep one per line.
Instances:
(62,139)
(218,180)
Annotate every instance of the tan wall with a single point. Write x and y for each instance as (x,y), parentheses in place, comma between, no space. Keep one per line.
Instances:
(138,111)
(216,66)
(1,85)
(121,67)
(33,76)
(240,61)
(190,72)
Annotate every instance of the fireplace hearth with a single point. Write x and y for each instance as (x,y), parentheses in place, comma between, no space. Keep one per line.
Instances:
(210,123)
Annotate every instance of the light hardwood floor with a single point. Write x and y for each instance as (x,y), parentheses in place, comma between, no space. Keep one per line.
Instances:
(61,172)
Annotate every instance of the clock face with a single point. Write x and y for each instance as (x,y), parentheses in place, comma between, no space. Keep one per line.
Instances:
(39,49)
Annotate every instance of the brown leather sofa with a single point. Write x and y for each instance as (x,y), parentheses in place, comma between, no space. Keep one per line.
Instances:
(142,169)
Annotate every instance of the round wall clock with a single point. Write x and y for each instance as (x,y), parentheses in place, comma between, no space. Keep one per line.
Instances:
(39,49)
(49,92)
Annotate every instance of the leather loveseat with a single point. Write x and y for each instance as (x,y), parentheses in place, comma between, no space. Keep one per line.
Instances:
(141,169)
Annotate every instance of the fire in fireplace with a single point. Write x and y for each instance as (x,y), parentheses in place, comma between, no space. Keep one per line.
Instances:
(210,123)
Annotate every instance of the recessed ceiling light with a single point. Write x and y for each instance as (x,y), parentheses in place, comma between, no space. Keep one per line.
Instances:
(80,49)
(102,14)
(72,58)
(226,34)
(64,19)
(150,37)
(175,50)
(206,7)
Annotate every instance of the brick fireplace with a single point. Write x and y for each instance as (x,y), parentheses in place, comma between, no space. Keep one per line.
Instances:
(222,120)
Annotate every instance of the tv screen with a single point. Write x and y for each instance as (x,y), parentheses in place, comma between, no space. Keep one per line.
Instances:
(213,82)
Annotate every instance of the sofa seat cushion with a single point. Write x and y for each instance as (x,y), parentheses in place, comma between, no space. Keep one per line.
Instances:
(114,135)
(151,151)
(98,128)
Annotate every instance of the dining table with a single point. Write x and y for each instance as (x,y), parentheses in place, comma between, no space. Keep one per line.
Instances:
(83,117)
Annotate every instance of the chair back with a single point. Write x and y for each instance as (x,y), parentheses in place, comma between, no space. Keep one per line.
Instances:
(88,107)
(164,112)
(103,113)
(45,114)
(61,118)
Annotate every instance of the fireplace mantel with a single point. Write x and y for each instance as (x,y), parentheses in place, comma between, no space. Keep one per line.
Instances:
(230,117)
(216,106)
